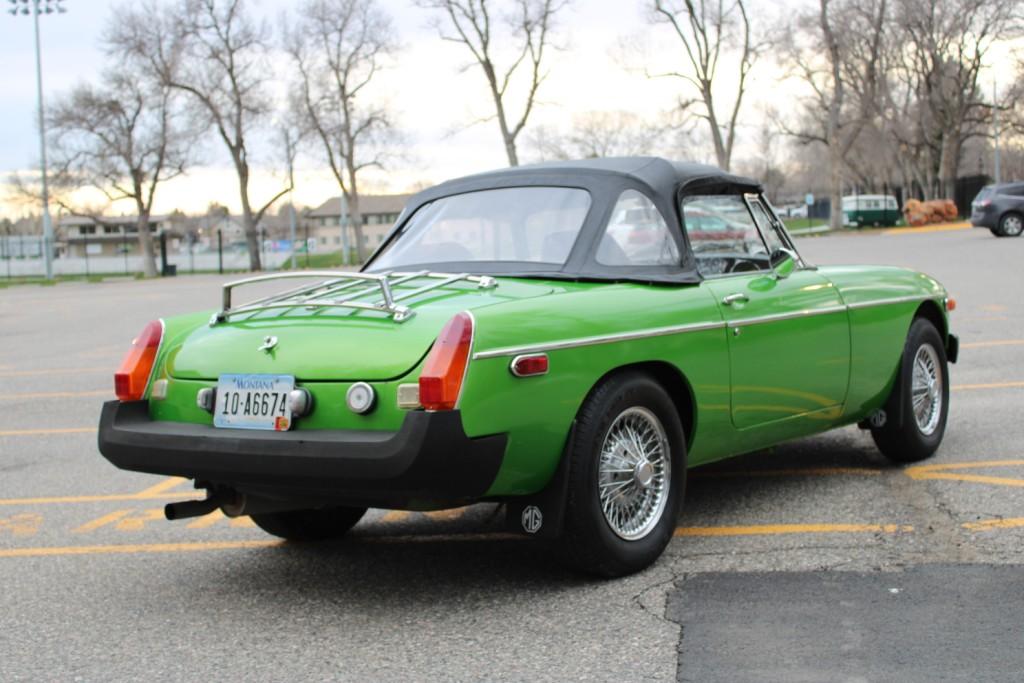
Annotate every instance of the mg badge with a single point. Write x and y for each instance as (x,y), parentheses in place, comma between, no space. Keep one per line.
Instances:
(268,344)
(532,519)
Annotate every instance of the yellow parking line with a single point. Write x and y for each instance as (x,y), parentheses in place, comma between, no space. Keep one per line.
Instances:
(134,548)
(115,497)
(940,227)
(997,342)
(945,472)
(776,529)
(1011,523)
(993,385)
(102,521)
(126,549)
(975,478)
(55,394)
(38,432)
(162,487)
(936,467)
(53,371)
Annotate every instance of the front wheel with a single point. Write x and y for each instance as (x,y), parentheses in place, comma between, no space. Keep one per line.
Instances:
(627,474)
(310,525)
(922,394)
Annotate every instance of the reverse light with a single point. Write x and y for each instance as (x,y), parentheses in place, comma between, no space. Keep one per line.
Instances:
(445,367)
(131,378)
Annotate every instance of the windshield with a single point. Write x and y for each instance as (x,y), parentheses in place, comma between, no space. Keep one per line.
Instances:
(536,225)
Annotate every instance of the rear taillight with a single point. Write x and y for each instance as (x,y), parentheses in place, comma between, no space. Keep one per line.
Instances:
(131,378)
(445,367)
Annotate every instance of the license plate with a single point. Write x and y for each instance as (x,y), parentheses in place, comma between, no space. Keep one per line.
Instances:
(253,402)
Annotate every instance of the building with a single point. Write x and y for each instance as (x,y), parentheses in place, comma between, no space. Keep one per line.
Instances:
(107,236)
(379,213)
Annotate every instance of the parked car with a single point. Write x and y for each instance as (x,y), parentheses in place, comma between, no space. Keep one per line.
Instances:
(870,209)
(1000,208)
(504,344)
(793,211)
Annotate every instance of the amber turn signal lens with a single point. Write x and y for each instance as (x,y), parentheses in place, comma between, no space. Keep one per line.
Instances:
(950,304)
(441,379)
(131,378)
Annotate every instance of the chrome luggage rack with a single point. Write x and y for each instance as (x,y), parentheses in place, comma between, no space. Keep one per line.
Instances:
(323,294)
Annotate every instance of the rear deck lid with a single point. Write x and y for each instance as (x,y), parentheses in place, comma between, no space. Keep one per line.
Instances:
(337,343)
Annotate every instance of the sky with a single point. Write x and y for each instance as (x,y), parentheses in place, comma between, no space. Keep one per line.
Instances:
(434,95)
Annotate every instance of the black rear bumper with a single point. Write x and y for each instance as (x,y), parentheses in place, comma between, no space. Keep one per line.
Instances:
(429,459)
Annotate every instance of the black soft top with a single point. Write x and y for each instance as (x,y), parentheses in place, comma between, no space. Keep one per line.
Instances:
(663,181)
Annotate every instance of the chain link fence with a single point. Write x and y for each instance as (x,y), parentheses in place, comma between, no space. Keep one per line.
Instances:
(21,256)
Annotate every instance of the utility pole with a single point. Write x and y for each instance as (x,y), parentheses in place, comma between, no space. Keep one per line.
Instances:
(995,123)
(343,222)
(35,8)
(289,150)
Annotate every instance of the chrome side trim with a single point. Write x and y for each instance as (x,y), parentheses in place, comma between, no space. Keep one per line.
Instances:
(600,339)
(776,317)
(898,300)
(693,327)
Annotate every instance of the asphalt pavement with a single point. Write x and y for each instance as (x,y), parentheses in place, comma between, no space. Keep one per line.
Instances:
(782,558)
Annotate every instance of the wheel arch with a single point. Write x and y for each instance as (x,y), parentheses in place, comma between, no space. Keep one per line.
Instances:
(930,311)
(672,379)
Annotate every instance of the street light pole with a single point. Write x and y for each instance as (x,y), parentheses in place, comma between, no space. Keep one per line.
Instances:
(41,7)
(995,122)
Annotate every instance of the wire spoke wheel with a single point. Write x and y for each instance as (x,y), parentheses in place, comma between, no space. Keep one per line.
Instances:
(926,389)
(634,473)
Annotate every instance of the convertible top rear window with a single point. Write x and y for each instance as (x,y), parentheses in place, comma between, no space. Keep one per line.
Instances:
(514,224)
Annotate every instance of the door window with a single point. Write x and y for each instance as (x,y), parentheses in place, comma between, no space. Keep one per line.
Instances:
(723,235)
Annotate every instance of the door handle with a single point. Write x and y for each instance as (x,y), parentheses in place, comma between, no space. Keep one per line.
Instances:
(737,298)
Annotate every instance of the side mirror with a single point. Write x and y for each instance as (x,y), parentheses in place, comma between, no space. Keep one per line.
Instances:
(783,263)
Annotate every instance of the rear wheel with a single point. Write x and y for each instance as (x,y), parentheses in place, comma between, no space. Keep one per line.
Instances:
(922,394)
(309,525)
(1011,225)
(627,474)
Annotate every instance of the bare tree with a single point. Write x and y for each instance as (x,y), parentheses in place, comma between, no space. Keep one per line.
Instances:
(705,29)
(338,47)
(213,51)
(596,134)
(840,60)
(470,22)
(946,43)
(765,164)
(124,141)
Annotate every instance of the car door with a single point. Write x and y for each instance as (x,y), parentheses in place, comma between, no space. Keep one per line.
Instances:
(788,337)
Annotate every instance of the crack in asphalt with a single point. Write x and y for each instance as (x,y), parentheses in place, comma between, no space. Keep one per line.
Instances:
(934,517)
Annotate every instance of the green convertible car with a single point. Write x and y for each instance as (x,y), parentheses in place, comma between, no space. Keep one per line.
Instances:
(565,338)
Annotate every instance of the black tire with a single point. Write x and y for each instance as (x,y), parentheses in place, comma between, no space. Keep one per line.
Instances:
(589,543)
(309,525)
(907,441)
(995,231)
(1011,224)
